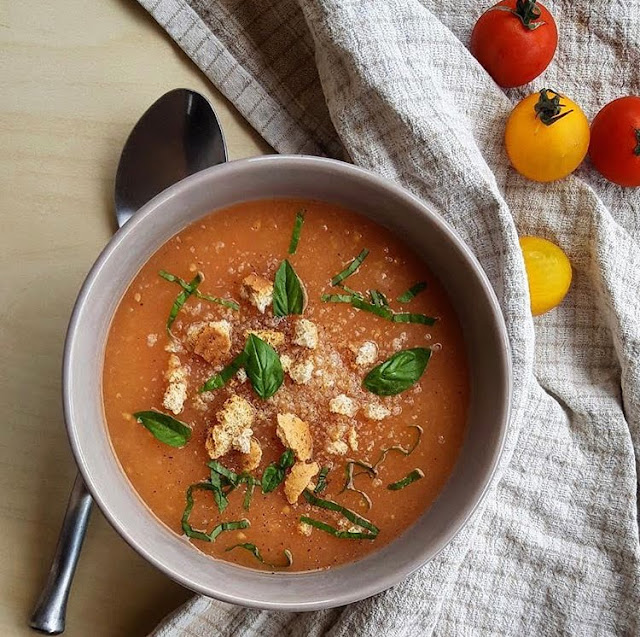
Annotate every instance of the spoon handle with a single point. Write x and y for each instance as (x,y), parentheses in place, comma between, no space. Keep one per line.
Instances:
(49,613)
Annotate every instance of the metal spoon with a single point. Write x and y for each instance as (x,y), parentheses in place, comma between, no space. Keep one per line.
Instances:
(179,135)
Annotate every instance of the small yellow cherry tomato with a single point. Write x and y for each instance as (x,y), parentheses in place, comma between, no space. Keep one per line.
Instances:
(548,272)
(547,136)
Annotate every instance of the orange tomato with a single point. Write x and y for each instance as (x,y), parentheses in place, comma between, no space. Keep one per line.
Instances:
(547,136)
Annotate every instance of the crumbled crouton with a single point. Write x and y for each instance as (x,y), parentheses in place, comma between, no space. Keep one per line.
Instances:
(258,290)
(286,361)
(251,460)
(210,340)
(305,334)
(241,375)
(272,337)
(375,411)
(343,405)
(152,339)
(233,429)
(367,354)
(337,448)
(297,481)
(304,528)
(176,392)
(295,435)
(353,439)
(301,372)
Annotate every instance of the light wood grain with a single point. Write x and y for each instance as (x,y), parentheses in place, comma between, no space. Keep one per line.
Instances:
(75,76)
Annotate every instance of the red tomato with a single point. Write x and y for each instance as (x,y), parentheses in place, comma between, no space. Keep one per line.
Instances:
(615,141)
(515,40)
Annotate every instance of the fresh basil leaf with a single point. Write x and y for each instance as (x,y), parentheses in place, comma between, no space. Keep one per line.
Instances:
(297,229)
(271,478)
(263,367)
(412,292)
(274,474)
(398,373)
(164,427)
(288,292)
(351,268)
(217,381)
(416,474)
(203,535)
(252,548)
(286,459)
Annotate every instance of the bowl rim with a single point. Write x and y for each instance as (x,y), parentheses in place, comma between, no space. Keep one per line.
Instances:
(367,178)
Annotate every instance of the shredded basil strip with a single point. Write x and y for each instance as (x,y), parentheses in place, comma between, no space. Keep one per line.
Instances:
(263,367)
(172,278)
(181,299)
(274,474)
(412,292)
(248,494)
(322,480)
(398,448)
(231,476)
(217,381)
(336,298)
(349,486)
(351,268)
(288,291)
(164,428)
(416,474)
(378,298)
(398,373)
(252,548)
(383,311)
(203,535)
(409,317)
(345,535)
(352,516)
(297,229)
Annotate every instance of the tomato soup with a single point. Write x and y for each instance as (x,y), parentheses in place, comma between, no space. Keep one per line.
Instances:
(285,383)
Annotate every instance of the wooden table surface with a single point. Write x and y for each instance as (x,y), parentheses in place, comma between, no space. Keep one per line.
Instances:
(75,76)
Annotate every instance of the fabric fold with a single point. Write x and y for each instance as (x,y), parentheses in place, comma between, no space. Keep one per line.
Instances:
(392,87)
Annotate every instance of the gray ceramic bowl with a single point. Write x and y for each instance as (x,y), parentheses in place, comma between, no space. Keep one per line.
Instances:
(389,205)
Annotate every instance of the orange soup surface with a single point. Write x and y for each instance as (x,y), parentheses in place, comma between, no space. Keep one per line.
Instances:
(334,410)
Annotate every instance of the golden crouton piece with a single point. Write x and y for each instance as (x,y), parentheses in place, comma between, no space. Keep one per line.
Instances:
(251,460)
(337,448)
(298,480)
(233,429)
(272,337)
(258,290)
(176,392)
(375,411)
(367,354)
(301,372)
(210,339)
(295,434)
(343,405)
(305,334)
(304,528)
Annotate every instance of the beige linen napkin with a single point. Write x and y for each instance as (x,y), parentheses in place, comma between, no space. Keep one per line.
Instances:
(390,85)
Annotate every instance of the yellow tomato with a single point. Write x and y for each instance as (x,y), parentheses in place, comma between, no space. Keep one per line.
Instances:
(547,136)
(548,272)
